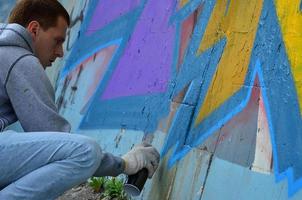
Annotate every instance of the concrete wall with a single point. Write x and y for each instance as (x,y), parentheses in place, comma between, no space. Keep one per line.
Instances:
(216,86)
(5,7)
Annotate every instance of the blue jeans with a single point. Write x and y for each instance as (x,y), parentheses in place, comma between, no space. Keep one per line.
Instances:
(43,165)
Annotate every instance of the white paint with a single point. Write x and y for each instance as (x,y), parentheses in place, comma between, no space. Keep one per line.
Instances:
(263,151)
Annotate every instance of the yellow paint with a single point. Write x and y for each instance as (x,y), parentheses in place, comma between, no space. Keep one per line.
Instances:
(290,19)
(239,25)
(183,3)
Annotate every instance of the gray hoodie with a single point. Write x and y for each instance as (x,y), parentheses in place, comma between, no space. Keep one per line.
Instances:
(27,95)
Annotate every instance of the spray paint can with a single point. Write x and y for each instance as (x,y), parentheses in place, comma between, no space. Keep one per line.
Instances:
(136,182)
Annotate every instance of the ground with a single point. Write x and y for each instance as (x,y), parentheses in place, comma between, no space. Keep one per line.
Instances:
(81,192)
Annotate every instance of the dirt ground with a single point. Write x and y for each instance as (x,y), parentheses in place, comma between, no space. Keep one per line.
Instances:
(81,192)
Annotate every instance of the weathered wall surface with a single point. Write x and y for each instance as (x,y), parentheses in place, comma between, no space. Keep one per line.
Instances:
(216,86)
(5,7)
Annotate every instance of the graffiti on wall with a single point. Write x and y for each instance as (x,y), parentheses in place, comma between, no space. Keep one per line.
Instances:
(212,58)
(147,98)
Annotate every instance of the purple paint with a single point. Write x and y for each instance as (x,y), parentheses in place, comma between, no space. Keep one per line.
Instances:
(108,10)
(145,66)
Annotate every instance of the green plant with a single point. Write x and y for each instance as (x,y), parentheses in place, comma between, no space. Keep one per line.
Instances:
(114,189)
(97,183)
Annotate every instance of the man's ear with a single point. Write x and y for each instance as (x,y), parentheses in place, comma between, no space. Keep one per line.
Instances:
(33,28)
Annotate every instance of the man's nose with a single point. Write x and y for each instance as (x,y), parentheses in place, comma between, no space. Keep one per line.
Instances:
(59,51)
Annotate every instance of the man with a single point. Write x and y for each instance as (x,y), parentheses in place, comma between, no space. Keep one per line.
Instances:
(45,161)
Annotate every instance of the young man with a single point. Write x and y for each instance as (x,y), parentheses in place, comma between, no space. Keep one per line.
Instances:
(45,161)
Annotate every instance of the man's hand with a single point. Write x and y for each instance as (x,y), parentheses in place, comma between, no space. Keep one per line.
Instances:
(141,156)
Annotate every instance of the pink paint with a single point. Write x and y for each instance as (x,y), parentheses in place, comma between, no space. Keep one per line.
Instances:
(186,32)
(267,152)
(238,123)
(106,54)
(95,68)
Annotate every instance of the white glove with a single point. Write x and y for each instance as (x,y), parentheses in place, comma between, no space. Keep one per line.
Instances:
(141,156)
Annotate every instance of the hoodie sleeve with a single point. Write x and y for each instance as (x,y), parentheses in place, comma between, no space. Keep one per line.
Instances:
(32,97)
(110,165)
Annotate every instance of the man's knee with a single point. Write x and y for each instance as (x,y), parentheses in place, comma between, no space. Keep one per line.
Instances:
(88,155)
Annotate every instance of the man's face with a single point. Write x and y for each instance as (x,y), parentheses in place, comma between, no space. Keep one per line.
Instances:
(49,44)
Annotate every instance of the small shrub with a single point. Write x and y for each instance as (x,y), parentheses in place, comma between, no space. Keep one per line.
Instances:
(97,183)
(114,189)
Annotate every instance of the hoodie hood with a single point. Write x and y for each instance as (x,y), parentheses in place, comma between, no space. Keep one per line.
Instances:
(15,35)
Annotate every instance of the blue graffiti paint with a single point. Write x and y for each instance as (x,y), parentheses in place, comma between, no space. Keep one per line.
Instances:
(86,44)
(294,182)
(186,11)
(193,69)
(175,131)
(269,61)
(136,113)
(132,112)
(183,117)
(90,52)
(194,66)
(281,99)
(301,6)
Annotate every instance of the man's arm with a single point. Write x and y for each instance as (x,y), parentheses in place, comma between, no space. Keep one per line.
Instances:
(141,156)
(32,97)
